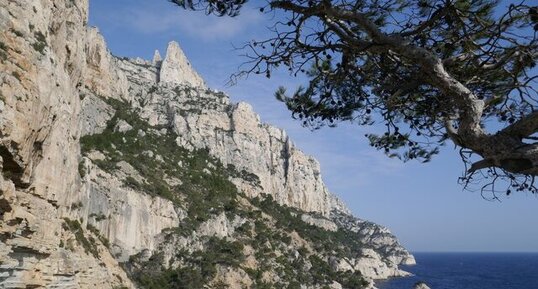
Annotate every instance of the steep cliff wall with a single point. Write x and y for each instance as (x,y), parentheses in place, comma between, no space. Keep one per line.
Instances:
(107,161)
(43,67)
(205,119)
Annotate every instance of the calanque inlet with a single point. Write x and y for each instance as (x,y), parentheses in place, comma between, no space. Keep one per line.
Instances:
(128,173)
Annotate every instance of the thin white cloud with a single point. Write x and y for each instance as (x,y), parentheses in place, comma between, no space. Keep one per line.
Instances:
(211,27)
(160,18)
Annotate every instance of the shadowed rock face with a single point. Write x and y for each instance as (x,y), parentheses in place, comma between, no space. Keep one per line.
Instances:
(99,155)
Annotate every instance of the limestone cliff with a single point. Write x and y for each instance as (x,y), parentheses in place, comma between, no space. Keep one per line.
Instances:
(118,172)
(175,68)
(43,70)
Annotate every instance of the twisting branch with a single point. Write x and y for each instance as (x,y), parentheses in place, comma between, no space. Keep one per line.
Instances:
(429,70)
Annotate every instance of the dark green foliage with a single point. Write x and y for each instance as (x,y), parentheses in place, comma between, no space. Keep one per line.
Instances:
(319,271)
(16,75)
(341,242)
(204,194)
(76,205)
(326,243)
(16,32)
(243,174)
(223,252)
(216,7)
(132,183)
(322,273)
(81,169)
(41,42)
(199,269)
(96,232)
(40,37)
(98,217)
(353,82)
(87,243)
(419,72)
(3,51)
(182,278)
(265,238)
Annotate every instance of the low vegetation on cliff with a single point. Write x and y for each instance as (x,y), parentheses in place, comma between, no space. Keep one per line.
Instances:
(268,244)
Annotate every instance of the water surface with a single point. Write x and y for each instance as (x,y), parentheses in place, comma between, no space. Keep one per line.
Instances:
(470,271)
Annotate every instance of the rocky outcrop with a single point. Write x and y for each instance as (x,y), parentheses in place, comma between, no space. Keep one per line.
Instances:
(376,236)
(128,219)
(43,70)
(153,140)
(203,119)
(94,115)
(102,76)
(176,69)
(157,59)
(421,285)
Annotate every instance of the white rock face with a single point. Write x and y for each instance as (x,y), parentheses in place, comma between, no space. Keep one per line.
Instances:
(130,220)
(234,134)
(176,68)
(94,115)
(220,226)
(376,236)
(371,264)
(157,59)
(320,222)
(44,68)
(122,126)
(54,79)
(102,76)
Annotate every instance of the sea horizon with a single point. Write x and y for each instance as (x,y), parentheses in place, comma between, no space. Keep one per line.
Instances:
(469,270)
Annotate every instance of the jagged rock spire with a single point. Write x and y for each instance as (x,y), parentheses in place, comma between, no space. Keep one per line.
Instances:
(157,59)
(176,69)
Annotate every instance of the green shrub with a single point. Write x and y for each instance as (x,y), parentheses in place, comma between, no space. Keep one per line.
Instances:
(96,232)
(16,32)
(81,169)
(87,243)
(204,195)
(41,42)
(16,75)
(3,51)
(76,205)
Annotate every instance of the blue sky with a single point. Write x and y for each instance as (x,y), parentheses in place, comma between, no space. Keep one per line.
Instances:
(421,203)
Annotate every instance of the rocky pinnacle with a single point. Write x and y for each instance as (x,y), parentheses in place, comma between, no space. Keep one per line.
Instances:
(176,68)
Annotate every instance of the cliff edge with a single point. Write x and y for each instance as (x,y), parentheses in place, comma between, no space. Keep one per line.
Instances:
(132,173)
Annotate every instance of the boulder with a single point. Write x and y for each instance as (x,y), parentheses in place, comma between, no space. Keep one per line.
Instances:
(421,285)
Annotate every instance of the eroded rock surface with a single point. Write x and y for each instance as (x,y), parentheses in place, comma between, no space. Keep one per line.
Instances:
(107,160)
(176,68)
(44,69)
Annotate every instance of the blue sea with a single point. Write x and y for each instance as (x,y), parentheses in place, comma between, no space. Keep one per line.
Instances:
(470,271)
